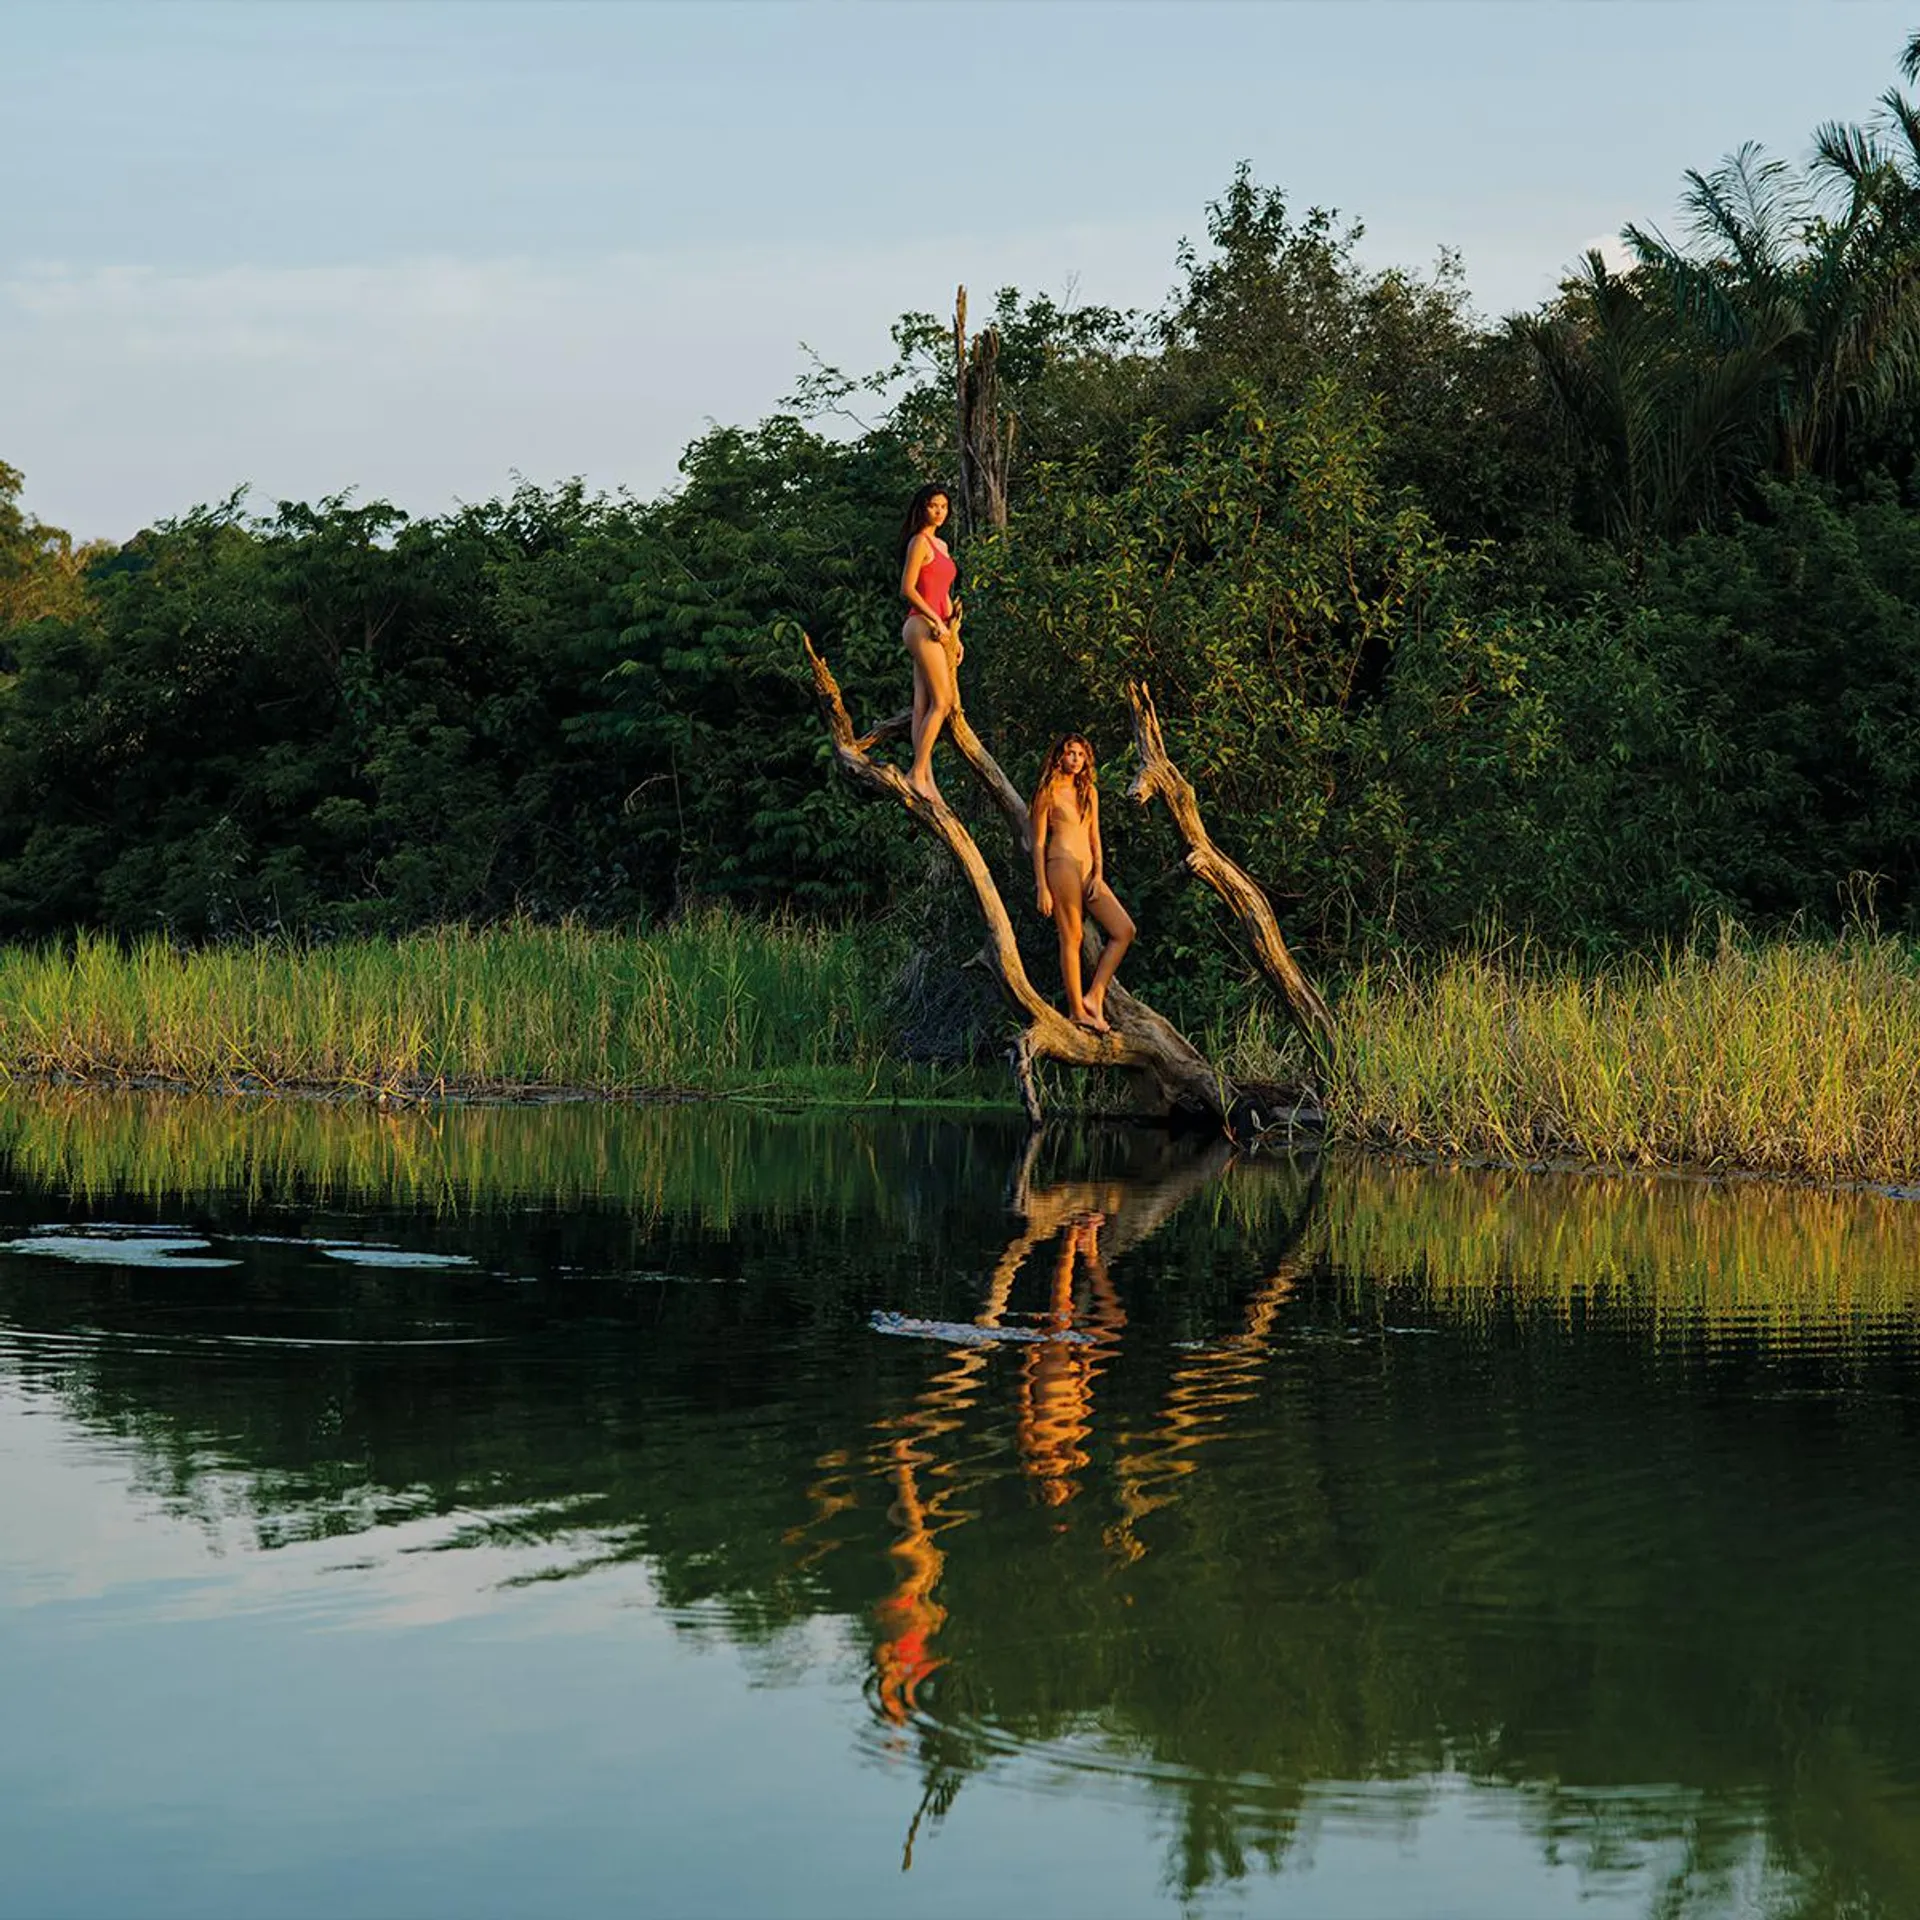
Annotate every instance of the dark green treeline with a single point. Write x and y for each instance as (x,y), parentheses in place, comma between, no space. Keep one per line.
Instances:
(1600,622)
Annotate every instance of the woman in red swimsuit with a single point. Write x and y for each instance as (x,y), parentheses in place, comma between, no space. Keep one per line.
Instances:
(932,631)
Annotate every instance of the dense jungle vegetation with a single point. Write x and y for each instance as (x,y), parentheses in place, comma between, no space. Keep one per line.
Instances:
(1601,623)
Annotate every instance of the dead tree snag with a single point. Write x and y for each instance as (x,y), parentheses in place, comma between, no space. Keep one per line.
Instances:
(1141,1042)
(983,433)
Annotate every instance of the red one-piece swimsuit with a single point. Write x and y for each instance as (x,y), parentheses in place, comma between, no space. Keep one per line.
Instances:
(934,583)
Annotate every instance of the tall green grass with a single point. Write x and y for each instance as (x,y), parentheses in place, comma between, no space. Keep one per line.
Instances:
(714,1003)
(1792,1057)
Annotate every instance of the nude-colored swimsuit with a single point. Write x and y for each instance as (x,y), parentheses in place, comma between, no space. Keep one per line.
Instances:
(1082,875)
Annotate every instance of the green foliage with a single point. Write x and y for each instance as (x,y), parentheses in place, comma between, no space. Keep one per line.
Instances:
(772,531)
(1787,342)
(1280,305)
(1306,637)
(1796,642)
(1670,425)
(1274,306)
(337,719)
(40,568)
(1597,624)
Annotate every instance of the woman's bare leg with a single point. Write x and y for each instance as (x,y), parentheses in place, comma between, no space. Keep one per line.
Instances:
(932,702)
(1066,882)
(1116,923)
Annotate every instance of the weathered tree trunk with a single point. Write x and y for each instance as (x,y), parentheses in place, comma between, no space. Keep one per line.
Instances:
(983,438)
(1128,1013)
(1133,1203)
(1142,1042)
(1231,881)
(1141,1039)
(960,405)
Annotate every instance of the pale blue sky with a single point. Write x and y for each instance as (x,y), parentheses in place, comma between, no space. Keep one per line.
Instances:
(414,248)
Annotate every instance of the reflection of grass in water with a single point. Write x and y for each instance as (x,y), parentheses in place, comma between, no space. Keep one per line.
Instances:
(1745,1247)
(1742,1249)
(1724,1249)
(1291,1597)
(704,1161)
(714,1002)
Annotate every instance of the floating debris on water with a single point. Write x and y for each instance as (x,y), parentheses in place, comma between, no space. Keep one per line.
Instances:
(358,1255)
(965,1333)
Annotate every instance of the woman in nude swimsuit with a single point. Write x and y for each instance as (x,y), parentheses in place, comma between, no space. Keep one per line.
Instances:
(1069,876)
(932,630)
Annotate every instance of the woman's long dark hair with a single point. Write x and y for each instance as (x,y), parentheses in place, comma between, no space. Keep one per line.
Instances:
(1084,781)
(917,512)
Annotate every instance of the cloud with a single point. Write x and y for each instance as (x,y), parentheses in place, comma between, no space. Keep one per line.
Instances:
(436,379)
(1613,250)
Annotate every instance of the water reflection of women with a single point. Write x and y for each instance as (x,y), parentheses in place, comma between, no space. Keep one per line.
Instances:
(909,1617)
(932,630)
(1055,1408)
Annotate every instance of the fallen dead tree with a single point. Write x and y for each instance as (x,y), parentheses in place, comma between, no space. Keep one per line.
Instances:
(1183,1081)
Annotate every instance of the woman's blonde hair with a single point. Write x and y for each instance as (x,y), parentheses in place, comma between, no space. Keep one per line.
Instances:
(1084,781)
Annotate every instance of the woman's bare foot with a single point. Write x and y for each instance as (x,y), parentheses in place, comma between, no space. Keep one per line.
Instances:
(924,788)
(1090,1021)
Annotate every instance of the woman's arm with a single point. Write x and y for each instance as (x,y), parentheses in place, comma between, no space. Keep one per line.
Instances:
(1042,815)
(1093,840)
(918,549)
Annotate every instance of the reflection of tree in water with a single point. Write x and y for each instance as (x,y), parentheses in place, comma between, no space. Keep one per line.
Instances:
(1198,1408)
(1533,1482)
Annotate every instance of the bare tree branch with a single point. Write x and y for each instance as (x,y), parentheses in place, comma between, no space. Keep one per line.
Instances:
(1158,776)
(1141,1040)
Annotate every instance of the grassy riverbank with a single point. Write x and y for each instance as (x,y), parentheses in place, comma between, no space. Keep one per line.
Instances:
(714,1003)
(1791,1057)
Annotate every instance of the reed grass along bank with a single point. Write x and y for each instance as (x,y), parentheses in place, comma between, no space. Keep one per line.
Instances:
(1794,1057)
(1787,1057)
(713,1003)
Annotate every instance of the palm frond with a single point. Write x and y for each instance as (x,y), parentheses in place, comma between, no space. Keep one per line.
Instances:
(1903,118)
(1648,245)
(1750,205)
(1703,298)
(1849,156)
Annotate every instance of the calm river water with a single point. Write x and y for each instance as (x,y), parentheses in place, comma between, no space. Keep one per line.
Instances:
(690,1511)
